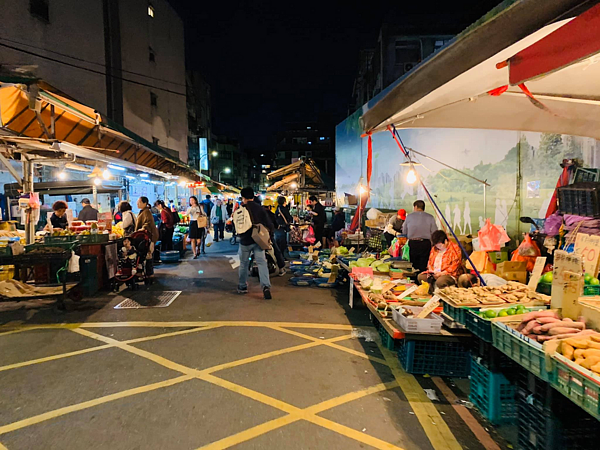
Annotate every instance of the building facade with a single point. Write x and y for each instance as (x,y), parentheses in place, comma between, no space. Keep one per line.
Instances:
(396,53)
(199,120)
(124,58)
(306,139)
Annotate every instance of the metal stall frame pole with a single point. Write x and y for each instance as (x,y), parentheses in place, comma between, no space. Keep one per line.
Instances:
(95,195)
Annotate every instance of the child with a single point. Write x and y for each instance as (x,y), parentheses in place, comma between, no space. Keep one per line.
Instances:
(127,261)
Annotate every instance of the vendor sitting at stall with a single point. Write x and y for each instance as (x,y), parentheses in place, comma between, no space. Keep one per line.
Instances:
(445,262)
(59,218)
(394,226)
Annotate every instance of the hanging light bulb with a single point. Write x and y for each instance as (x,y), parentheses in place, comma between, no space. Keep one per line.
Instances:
(106,174)
(97,181)
(411,176)
(62,175)
(362,189)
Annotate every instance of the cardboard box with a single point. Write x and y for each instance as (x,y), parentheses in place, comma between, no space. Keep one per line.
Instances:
(499,257)
(466,242)
(513,271)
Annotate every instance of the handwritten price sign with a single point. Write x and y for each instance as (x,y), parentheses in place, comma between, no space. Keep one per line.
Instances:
(589,248)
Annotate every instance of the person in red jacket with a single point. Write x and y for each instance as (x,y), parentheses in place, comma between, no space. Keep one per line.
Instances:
(166,227)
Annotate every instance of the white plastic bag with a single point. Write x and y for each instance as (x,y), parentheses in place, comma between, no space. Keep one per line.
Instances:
(73,263)
(209,240)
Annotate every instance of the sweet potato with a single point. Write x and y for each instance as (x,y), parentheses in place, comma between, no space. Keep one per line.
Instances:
(579,361)
(563,330)
(537,330)
(578,353)
(577,342)
(596,368)
(589,362)
(562,323)
(530,326)
(545,320)
(535,314)
(567,350)
(590,352)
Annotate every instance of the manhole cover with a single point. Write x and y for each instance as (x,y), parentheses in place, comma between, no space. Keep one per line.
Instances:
(149,300)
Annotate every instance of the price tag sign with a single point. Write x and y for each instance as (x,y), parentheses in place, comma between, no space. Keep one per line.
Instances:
(290,249)
(318,245)
(315,255)
(564,264)
(351,250)
(588,247)
(540,263)
(334,273)
(388,287)
(351,295)
(409,291)
(429,307)
(310,249)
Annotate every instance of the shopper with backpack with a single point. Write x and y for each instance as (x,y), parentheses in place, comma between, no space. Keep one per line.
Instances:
(166,227)
(253,227)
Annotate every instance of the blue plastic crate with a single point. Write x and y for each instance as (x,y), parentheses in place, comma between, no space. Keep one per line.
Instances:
(436,358)
(387,340)
(492,394)
(302,281)
(458,314)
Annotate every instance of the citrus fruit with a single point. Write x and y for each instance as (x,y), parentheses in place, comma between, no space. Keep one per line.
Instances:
(503,313)
(548,277)
(490,314)
(587,277)
(594,282)
(511,311)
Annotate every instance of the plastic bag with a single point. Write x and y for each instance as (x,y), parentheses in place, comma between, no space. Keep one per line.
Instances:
(395,248)
(482,262)
(309,236)
(209,240)
(406,252)
(492,237)
(73,263)
(528,251)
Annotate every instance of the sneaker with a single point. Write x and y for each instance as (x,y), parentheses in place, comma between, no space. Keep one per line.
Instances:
(267,293)
(282,272)
(241,290)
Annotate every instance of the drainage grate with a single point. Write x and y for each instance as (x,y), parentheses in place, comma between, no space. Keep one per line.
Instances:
(149,300)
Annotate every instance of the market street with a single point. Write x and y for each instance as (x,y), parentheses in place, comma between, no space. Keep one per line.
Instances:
(216,370)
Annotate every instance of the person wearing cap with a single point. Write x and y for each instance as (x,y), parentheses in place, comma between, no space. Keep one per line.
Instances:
(394,226)
(87,213)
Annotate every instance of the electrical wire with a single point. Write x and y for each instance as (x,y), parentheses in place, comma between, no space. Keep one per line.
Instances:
(90,62)
(139,83)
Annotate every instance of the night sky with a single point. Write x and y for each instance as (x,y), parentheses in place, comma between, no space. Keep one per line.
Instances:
(272,61)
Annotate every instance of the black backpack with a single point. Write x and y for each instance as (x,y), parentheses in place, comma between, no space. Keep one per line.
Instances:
(176,218)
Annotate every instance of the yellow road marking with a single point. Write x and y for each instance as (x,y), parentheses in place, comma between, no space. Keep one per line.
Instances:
(84,405)
(435,427)
(270,401)
(479,432)
(101,347)
(330,343)
(273,353)
(251,433)
(53,358)
(352,433)
(325,326)
(2,447)
(266,427)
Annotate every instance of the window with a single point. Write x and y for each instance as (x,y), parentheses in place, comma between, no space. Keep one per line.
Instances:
(153,99)
(408,51)
(308,154)
(151,55)
(321,138)
(40,9)
(308,128)
(281,155)
(294,154)
(299,140)
(151,11)
(309,143)
(155,140)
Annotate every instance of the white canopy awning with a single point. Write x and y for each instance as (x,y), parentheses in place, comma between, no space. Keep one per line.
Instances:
(565,100)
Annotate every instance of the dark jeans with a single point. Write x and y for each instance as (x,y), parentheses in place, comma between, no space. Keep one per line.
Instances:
(419,253)
(319,229)
(281,240)
(278,255)
(219,231)
(166,238)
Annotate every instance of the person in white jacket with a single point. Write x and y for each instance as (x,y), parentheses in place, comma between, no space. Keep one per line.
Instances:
(218,217)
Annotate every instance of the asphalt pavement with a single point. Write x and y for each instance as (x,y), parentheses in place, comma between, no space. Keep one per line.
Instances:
(217,370)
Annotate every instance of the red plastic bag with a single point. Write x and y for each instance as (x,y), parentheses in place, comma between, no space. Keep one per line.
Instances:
(395,248)
(528,251)
(492,237)
(309,236)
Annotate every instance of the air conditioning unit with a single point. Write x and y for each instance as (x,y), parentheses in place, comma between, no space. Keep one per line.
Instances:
(409,66)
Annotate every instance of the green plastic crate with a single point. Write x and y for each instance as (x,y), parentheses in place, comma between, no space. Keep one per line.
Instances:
(482,328)
(60,239)
(492,394)
(580,385)
(591,290)
(526,352)
(458,314)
